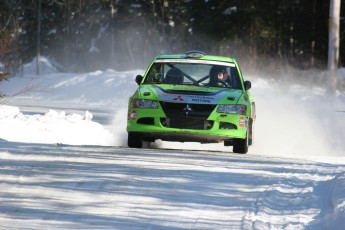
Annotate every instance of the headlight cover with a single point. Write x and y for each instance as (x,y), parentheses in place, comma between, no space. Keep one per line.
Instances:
(144,104)
(232,109)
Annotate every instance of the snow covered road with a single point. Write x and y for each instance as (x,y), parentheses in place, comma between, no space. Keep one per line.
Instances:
(90,187)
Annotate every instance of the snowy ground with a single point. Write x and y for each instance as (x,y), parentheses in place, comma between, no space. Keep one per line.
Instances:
(84,187)
(64,164)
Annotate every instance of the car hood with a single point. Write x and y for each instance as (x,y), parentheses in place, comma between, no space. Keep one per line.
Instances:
(191,94)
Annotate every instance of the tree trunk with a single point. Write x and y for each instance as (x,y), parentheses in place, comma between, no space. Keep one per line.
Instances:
(333,42)
(38,37)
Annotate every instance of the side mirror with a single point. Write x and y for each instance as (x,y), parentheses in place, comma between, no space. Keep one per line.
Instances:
(247,85)
(138,79)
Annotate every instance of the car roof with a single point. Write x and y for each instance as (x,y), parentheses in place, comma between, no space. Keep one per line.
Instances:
(204,57)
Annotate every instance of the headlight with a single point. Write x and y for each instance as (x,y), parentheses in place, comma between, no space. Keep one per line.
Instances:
(232,109)
(144,104)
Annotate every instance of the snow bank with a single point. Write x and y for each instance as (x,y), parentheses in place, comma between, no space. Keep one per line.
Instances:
(337,203)
(332,202)
(107,88)
(46,66)
(51,128)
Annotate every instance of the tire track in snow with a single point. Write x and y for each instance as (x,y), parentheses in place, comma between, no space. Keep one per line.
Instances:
(287,205)
(78,187)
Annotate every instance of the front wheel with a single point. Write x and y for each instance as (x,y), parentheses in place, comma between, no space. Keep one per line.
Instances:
(134,141)
(251,132)
(241,145)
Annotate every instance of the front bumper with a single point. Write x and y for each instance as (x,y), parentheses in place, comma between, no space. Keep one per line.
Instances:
(154,124)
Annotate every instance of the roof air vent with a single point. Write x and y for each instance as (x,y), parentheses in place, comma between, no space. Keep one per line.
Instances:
(195,54)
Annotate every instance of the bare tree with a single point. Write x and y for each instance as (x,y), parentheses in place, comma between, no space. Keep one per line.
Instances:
(39,16)
(333,42)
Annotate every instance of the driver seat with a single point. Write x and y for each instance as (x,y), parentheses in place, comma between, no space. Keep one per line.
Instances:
(174,76)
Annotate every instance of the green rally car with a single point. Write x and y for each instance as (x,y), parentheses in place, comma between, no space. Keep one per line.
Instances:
(192,97)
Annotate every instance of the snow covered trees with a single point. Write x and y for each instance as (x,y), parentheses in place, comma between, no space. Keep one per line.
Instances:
(85,35)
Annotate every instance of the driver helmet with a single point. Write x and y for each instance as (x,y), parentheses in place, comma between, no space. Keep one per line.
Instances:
(218,73)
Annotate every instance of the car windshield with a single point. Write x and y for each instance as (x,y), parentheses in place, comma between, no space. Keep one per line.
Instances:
(189,73)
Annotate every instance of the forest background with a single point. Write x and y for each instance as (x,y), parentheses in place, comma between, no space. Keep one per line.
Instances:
(268,36)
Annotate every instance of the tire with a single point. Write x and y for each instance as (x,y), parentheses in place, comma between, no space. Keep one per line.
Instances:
(251,132)
(241,145)
(134,141)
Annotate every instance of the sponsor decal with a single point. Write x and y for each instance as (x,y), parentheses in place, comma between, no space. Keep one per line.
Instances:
(133,115)
(178,98)
(241,121)
(189,88)
(194,61)
(187,98)
(201,99)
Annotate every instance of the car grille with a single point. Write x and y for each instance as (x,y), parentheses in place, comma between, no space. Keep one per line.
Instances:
(187,116)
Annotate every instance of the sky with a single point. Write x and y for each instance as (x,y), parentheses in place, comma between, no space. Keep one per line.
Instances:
(64,162)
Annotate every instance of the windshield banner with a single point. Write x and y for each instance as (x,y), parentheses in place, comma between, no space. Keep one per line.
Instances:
(194,61)
(193,99)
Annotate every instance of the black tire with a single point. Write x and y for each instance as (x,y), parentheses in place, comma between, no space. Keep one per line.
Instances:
(134,141)
(251,132)
(241,145)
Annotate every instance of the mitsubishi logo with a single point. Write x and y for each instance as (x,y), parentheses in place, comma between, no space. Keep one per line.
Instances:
(187,109)
(178,98)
